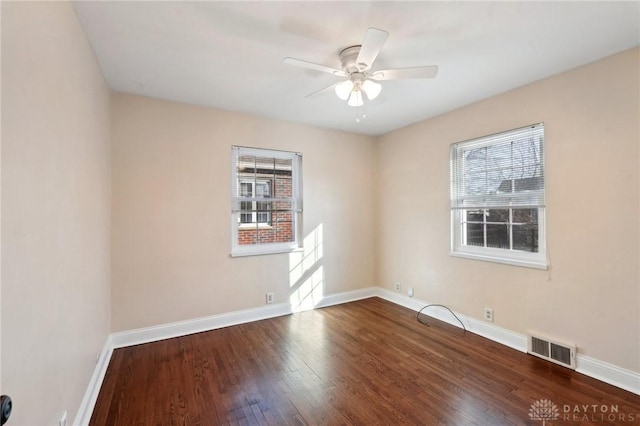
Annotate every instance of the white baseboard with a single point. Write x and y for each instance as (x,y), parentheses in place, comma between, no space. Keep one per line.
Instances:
(91,395)
(603,371)
(484,329)
(608,373)
(347,296)
(197,325)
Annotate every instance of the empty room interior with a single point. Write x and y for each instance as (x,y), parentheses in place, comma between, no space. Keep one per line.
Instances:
(320,213)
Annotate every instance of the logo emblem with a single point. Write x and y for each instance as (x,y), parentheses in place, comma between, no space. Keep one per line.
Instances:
(544,409)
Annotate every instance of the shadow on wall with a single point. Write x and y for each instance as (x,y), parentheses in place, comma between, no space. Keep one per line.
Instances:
(306,273)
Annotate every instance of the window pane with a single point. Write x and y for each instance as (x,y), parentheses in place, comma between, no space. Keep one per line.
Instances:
(284,166)
(475,234)
(525,230)
(265,166)
(263,189)
(525,238)
(284,226)
(495,178)
(475,156)
(283,183)
(523,216)
(498,236)
(246,207)
(266,235)
(473,227)
(246,212)
(247,236)
(497,221)
(475,183)
(475,216)
(520,184)
(246,189)
(263,211)
(246,163)
(498,215)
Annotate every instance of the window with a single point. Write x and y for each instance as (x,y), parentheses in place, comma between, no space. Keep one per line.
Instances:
(497,198)
(255,211)
(267,203)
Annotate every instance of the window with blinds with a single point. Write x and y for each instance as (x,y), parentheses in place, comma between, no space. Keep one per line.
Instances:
(498,197)
(266,201)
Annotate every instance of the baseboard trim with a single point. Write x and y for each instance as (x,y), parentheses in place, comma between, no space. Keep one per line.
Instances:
(91,395)
(347,296)
(197,325)
(490,331)
(600,370)
(213,322)
(182,328)
(608,373)
(605,372)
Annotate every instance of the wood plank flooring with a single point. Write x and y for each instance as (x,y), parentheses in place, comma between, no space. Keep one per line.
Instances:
(362,363)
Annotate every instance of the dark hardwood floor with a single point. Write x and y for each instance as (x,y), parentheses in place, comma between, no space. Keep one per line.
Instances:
(362,363)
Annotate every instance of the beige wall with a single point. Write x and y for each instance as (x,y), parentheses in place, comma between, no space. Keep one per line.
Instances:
(79,262)
(591,294)
(55,211)
(171,234)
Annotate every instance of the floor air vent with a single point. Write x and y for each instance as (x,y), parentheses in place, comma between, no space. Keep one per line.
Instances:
(553,351)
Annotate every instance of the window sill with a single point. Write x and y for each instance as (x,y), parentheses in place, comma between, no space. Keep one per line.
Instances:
(259,251)
(535,264)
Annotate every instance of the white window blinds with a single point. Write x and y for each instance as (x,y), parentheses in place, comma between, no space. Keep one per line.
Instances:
(500,170)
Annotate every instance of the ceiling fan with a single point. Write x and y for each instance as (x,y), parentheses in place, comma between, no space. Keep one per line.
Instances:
(357,64)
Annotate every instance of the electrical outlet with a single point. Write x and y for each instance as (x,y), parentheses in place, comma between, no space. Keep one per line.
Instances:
(410,292)
(488,314)
(397,286)
(63,419)
(269,297)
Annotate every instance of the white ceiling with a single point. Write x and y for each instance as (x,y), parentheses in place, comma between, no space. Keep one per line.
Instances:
(228,55)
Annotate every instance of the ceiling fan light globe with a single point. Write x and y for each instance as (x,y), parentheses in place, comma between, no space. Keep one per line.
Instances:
(372,89)
(355,99)
(343,90)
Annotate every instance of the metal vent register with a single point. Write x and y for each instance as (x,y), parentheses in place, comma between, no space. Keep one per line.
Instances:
(554,351)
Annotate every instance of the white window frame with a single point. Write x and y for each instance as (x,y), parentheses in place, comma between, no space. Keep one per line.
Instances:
(238,250)
(459,207)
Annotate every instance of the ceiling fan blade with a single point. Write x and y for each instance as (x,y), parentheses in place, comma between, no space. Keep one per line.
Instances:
(314,66)
(405,73)
(323,90)
(374,39)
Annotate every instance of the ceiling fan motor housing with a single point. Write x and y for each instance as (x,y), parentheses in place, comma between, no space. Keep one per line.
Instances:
(349,57)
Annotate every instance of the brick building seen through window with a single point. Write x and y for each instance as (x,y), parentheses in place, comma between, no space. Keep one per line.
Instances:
(266,218)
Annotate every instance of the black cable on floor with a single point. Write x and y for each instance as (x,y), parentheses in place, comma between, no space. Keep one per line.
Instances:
(442,306)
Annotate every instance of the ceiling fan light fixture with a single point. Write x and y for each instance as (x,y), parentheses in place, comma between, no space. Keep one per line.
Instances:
(355,99)
(343,90)
(372,89)
(357,63)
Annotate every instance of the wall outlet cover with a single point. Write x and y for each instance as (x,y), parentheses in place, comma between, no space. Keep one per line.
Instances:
(488,314)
